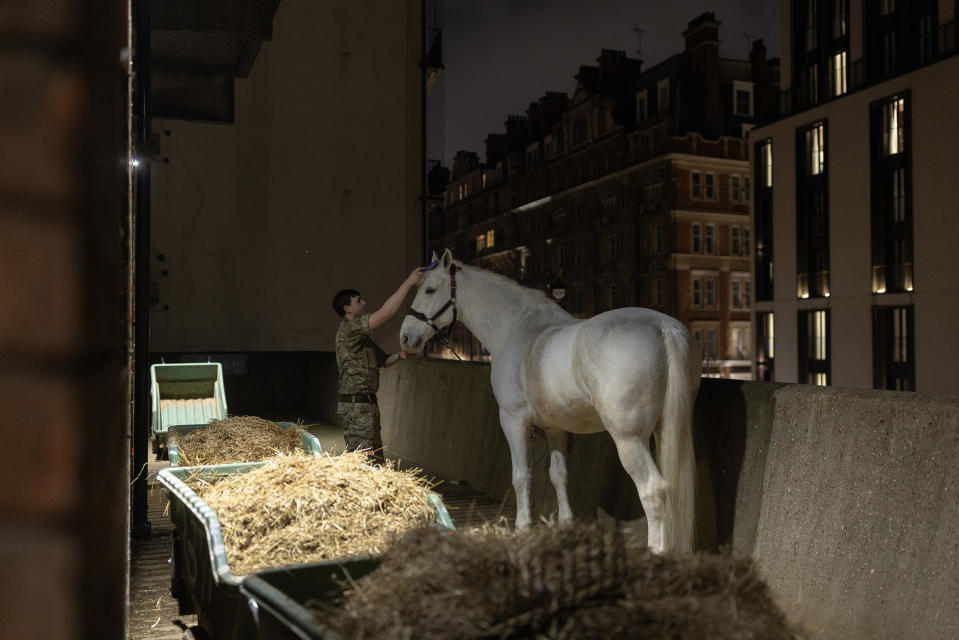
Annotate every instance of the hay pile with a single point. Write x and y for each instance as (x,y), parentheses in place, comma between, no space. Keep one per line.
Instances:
(236,439)
(297,509)
(576,581)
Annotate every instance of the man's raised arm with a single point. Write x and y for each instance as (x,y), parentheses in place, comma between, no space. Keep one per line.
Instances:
(393,303)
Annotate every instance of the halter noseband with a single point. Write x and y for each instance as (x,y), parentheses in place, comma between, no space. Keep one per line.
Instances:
(449,303)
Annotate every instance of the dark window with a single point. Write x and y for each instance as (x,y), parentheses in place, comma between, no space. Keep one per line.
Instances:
(900,36)
(765,346)
(840,18)
(891,195)
(763,151)
(814,347)
(743,102)
(894,364)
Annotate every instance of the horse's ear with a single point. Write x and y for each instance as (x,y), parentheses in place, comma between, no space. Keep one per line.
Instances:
(446,260)
(435,257)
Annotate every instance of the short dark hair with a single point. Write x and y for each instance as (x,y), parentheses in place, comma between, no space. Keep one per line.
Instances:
(342,298)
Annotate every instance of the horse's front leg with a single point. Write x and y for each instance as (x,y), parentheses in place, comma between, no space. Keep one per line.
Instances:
(516,430)
(559,446)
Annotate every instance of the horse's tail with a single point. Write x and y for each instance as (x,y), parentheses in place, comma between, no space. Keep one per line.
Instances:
(674,442)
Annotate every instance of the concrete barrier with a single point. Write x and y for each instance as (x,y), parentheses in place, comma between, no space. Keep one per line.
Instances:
(847,500)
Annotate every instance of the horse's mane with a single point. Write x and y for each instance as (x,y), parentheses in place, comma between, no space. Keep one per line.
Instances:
(534,298)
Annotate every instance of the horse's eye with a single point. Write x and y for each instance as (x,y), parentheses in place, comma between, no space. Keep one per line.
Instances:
(430,291)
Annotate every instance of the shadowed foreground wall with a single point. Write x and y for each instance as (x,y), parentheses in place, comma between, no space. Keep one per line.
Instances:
(64,348)
(846,499)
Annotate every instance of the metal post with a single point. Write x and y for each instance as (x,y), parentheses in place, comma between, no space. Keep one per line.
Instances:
(140,525)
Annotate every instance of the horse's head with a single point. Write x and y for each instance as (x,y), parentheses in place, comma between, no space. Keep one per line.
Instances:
(433,308)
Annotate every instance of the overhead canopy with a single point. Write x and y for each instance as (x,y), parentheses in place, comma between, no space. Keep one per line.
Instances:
(198,49)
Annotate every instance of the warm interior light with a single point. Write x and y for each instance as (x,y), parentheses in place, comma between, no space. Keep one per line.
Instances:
(908,288)
(805,295)
(883,290)
(826,294)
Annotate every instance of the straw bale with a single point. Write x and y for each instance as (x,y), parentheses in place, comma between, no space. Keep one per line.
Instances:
(297,509)
(236,439)
(566,582)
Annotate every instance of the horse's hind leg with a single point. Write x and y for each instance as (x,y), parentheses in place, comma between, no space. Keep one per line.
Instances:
(639,464)
(559,445)
(517,433)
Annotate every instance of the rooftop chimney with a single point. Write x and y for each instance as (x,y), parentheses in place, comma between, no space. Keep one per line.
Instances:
(702,30)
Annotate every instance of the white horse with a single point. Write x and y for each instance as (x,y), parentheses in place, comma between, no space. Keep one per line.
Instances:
(632,371)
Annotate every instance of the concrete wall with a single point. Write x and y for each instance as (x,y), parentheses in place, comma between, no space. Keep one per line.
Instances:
(846,499)
(934,118)
(314,188)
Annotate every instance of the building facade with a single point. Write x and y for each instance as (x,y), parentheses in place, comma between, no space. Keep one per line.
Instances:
(633,192)
(854,211)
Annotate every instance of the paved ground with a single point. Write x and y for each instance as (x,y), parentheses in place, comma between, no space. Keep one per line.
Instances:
(154,614)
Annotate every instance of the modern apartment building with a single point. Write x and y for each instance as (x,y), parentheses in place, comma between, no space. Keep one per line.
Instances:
(632,192)
(855,206)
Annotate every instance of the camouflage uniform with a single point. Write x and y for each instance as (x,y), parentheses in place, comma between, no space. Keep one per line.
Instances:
(358,361)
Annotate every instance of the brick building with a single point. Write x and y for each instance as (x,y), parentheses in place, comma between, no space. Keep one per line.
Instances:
(632,192)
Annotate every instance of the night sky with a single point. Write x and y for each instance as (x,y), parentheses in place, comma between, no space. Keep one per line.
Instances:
(500,55)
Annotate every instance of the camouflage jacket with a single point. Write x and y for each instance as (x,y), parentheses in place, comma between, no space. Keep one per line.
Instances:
(358,358)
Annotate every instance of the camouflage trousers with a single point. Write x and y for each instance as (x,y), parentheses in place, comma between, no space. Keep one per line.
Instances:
(360,422)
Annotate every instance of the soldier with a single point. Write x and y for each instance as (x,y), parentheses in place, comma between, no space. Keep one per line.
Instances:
(358,360)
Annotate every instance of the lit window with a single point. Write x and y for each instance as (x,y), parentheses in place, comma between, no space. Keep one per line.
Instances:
(766,151)
(839,73)
(893,126)
(710,185)
(697,184)
(817,336)
(739,342)
(815,151)
(490,238)
(769,334)
(900,335)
